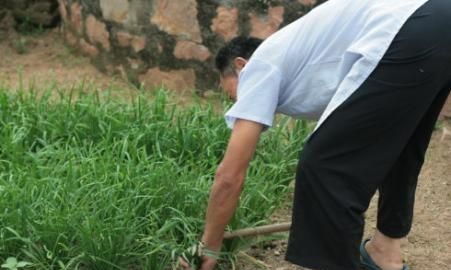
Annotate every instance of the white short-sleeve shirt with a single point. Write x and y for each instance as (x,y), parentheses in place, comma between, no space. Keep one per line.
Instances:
(311,66)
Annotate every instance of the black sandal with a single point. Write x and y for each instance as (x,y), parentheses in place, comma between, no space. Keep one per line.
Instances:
(366,262)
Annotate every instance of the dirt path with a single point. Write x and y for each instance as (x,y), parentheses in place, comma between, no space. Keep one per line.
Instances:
(428,247)
(43,60)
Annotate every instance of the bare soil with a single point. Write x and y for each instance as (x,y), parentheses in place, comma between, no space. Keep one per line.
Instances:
(44,60)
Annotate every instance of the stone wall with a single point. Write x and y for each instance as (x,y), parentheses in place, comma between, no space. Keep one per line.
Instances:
(38,13)
(169,42)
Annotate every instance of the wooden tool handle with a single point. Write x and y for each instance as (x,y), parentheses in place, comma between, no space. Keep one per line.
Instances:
(267,229)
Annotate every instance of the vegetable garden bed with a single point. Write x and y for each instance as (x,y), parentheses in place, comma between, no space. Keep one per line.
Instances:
(88,182)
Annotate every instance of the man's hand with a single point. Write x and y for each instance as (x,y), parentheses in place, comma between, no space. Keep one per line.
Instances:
(207,264)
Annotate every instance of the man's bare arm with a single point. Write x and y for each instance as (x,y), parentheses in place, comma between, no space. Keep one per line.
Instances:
(229,181)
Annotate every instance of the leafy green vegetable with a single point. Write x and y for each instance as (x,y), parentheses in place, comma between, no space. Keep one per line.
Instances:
(92,182)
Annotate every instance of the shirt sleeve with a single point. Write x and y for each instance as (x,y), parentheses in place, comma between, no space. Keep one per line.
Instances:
(258,94)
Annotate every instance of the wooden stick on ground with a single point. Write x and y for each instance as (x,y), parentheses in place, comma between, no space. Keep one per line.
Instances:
(262,230)
(253,260)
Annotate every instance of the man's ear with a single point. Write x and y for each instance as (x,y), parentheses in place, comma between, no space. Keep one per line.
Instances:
(239,63)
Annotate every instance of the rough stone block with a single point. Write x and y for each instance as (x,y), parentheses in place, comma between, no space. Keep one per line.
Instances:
(177,18)
(76,18)
(115,10)
(178,80)
(135,63)
(97,32)
(124,39)
(88,49)
(190,50)
(138,43)
(264,26)
(62,10)
(225,24)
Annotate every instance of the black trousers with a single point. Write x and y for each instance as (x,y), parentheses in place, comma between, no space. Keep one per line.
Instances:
(376,140)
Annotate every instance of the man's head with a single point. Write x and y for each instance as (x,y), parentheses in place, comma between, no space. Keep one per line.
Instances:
(231,59)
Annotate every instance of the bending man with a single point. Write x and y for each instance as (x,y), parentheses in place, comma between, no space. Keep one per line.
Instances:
(375,74)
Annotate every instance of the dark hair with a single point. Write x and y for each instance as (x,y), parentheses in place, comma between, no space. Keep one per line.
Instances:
(237,47)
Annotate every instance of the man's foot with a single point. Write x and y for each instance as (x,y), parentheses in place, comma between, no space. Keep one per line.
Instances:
(386,257)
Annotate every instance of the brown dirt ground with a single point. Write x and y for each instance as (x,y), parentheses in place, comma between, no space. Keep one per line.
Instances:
(48,61)
(428,247)
(49,64)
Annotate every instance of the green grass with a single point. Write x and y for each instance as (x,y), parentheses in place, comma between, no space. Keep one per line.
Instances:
(88,182)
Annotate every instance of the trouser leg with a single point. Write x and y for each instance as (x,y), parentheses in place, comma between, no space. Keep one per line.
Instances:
(397,191)
(357,148)
(340,169)
(344,164)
